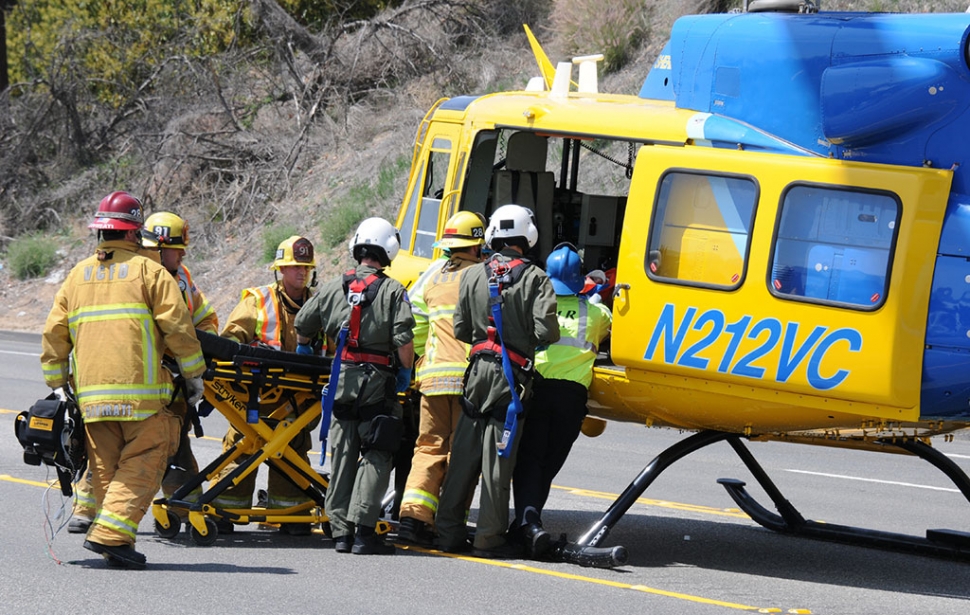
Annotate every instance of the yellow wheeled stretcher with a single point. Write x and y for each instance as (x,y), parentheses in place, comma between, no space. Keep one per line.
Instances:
(239,381)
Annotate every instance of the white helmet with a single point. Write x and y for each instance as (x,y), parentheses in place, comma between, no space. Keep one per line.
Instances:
(509,221)
(377,233)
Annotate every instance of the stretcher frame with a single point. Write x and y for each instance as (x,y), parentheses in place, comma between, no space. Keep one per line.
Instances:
(240,379)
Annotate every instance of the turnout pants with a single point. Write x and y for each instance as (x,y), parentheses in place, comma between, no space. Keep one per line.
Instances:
(85,505)
(127,461)
(474,454)
(182,466)
(438,420)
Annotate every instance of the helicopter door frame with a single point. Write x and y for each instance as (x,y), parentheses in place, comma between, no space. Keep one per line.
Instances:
(430,195)
(706,307)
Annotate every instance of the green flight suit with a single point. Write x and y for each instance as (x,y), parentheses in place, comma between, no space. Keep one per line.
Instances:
(529,320)
(363,391)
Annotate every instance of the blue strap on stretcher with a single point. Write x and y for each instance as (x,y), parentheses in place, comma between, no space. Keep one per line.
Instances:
(515,406)
(329,392)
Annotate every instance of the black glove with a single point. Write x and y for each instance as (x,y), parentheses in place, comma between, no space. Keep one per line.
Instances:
(204,408)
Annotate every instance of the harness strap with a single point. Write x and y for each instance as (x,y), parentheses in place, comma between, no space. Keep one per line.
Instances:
(490,346)
(330,393)
(360,356)
(503,274)
(358,298)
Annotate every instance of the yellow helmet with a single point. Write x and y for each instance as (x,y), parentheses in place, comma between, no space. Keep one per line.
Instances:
(169,230)
(463,230)
(294,251)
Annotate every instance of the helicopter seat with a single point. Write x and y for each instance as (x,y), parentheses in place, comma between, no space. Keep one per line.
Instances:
(525,181)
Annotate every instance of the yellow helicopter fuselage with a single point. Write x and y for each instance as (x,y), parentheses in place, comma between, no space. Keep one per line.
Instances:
(758,290)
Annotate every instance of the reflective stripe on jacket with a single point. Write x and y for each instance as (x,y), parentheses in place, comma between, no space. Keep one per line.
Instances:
(445,358)
(203,314)
(582,326)
(419,309)
(111,321)
(262,315)
(267,316)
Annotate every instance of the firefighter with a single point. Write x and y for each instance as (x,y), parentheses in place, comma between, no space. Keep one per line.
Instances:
(566,368)
(439,371)
(265,315)
(84,504)
(111,320)
(172,237)
(526,303)
(369,315)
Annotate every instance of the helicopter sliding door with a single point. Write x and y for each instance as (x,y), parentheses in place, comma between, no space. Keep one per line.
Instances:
(775,290)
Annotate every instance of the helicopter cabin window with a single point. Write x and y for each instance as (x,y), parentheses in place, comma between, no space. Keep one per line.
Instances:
(700,230)
(575,185)
(834,245)
(425,202)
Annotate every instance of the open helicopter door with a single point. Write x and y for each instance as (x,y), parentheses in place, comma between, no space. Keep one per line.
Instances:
(771,292)
(430,196)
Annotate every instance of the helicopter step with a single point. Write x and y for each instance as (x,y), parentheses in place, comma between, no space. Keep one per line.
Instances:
(587,550)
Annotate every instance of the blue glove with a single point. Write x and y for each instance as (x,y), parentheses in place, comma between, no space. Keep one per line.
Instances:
(403,379)
(304,349)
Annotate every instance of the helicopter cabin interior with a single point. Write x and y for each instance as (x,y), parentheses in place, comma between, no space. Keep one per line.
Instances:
(576,187)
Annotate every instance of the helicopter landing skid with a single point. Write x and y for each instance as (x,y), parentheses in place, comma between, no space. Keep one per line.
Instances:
(586,551)
(937,543)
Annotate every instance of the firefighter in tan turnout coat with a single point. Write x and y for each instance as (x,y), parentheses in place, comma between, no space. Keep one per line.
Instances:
(111,321)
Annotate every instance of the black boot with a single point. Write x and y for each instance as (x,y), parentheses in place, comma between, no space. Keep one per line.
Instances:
(78,525)
(415,531)
(368,542)
(537,541)
(119,556)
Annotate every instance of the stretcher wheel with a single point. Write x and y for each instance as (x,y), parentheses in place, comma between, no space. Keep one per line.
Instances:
(210,538)
(174,526)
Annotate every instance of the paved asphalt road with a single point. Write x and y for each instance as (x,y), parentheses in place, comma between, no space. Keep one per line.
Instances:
(691,552)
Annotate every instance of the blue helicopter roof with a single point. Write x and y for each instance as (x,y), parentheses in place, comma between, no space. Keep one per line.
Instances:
(876,87)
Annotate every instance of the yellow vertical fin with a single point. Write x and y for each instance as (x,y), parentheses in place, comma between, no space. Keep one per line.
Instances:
(546,69)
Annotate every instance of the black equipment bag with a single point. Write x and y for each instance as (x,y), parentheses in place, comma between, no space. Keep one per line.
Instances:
(52,433)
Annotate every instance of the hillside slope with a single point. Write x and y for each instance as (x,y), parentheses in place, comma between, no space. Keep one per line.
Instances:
(375,135)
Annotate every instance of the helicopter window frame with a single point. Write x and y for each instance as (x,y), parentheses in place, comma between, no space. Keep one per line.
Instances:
(652,255)
(430,193)
(862,247)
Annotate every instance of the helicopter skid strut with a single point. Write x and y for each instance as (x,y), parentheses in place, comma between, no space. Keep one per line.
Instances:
(586,551)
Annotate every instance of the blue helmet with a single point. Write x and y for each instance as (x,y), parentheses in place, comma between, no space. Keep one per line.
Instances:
(565,269)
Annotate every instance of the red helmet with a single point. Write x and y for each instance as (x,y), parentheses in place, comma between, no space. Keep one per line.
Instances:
(119,211)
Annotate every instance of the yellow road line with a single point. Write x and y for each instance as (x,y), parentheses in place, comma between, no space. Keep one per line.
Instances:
(605,582)
(707,510)
(11,479)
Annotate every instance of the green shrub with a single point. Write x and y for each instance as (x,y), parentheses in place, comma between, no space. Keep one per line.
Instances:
(31,256)
(345,217)
(116,45)
(614,28)
(272,238)
(362,200)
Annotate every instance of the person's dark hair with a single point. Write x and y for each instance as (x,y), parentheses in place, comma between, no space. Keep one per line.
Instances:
(111,235)
(375,252)
(520,242)
(465,249)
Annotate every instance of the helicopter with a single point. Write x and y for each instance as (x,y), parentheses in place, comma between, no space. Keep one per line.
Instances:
(784,213)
